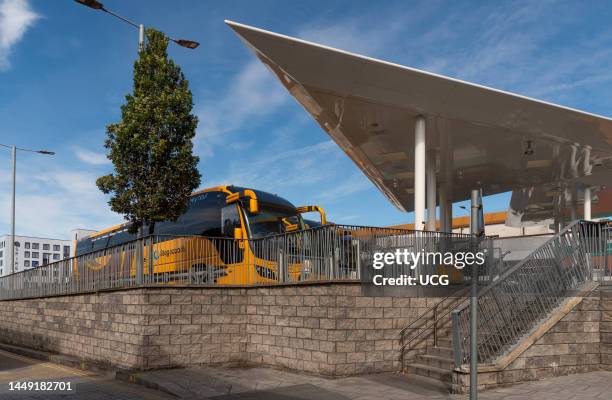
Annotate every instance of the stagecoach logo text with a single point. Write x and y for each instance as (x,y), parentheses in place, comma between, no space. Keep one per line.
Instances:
(164,253)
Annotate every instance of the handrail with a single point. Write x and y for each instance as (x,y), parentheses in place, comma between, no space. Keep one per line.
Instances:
(524,294)
(519,265)
(457,296)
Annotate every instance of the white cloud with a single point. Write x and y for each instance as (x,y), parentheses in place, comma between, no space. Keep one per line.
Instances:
(252,94)
(352,184)
(53,200)
(276,170)
(16,16)
(90,157)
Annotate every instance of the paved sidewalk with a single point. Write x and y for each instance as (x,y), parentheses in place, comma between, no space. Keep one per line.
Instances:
(269,384)
(75,384)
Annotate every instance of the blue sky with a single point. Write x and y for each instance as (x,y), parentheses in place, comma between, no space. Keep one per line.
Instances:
(64,71)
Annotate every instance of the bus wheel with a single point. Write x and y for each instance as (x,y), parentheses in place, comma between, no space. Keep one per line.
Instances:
(199,274)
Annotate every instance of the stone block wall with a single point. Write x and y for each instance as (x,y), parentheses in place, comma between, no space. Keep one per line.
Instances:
(605,326)
(139,329)
(329,329)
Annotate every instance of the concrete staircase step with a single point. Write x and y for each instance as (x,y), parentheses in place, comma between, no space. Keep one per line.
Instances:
(435,361)
(430,384)
(445,352)
(439,374)
(445,342)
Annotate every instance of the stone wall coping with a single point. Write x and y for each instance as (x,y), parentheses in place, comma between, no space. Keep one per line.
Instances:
(215,287)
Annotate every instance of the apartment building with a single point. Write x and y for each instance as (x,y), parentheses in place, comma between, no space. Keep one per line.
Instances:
(31,252)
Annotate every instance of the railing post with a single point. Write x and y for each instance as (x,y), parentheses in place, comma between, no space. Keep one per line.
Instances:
(358,261)
(281,266)
(139,261)
(150,260)
(435,325)
(607,235)
(456,339)
(402,349)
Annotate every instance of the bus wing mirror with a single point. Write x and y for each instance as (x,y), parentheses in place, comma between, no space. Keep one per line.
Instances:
(238,234)
(305,209)
(253,206)
(253,203)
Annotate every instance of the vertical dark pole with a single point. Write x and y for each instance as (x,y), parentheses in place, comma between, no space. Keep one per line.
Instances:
(474,228)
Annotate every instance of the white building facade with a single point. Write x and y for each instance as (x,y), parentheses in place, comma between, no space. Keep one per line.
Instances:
(31,252)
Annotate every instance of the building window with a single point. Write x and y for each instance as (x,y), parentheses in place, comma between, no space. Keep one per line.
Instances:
(26,254)
(66,251)
(35,246)
(34,263)
(46,246)
(56,247)
(0,253)
(17,244)
(27,245)
(56,256)
(26,263)
(34,254)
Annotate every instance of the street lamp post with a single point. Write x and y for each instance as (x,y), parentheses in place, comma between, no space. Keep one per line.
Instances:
(11,248)
(96,5)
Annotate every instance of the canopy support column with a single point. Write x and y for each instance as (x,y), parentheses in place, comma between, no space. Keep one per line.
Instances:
(587,203)
(431,191)
(443,195)
(419,172)
(445,180)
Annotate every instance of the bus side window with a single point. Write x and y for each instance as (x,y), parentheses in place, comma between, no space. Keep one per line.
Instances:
(230,219)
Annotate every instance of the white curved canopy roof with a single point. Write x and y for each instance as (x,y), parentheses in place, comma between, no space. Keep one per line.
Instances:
(496,140)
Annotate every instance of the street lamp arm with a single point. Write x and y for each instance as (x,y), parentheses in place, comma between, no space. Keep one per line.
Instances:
(30,150)
(96,5)
(120,17)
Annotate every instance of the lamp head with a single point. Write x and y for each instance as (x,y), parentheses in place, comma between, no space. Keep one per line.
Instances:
(96,5)
(190,44)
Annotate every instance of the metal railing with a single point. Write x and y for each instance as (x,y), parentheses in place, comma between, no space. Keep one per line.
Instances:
(510,306)
(428,324)
(327,253)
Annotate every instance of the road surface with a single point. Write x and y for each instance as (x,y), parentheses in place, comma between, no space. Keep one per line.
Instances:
(29,374)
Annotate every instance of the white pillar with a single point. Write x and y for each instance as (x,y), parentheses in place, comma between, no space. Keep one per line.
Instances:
(443,195)
(574,202)
(419,172)
(449,212)
(587,203)
(431,191)
(11,248)
(444,177)
(141,37)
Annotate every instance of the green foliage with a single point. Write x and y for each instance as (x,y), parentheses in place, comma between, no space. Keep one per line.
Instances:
(151,148)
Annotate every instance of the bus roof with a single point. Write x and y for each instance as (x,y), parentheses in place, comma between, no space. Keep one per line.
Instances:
(264,197)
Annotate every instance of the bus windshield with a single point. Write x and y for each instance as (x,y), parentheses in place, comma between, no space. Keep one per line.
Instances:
(273,220)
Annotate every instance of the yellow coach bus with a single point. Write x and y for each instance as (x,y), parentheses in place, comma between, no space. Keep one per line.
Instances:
(216,241)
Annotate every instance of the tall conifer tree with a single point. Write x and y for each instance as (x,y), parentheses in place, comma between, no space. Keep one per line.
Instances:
(151,147)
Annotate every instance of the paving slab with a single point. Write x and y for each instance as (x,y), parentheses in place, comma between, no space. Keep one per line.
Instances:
(270,384)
